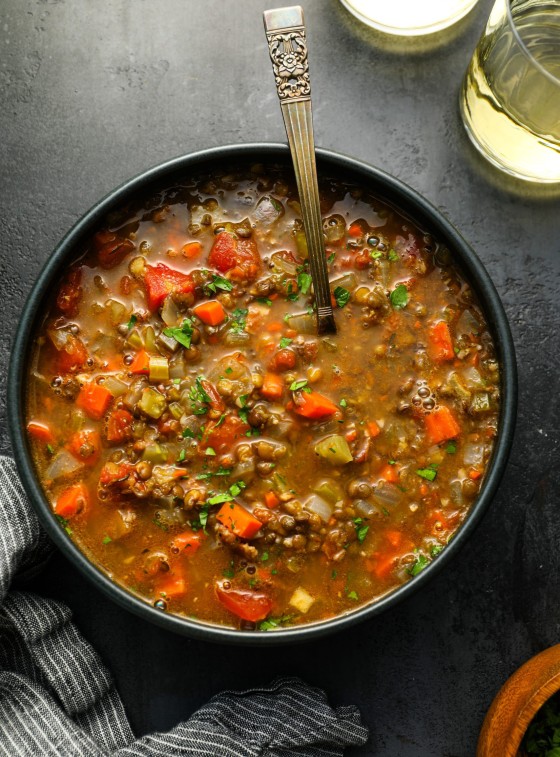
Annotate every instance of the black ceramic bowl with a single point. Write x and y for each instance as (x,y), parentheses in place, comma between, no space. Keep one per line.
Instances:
(388,189)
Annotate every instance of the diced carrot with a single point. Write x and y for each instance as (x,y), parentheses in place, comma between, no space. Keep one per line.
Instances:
(474,474)
(191,250)
(173,585)
(355,230)
(440,345)
(94,399)
(351,435)
(141,363)
(85,445)
(273,387)
(441,425)
(373,429)
(394,537)
(248,605)
(211,312)
(291,333)
(119,426)
(186,542)
(313,405)
(40,431)
(274,326)
(390,473)
(271,500)
(238,520)
(72,501)
(381,564)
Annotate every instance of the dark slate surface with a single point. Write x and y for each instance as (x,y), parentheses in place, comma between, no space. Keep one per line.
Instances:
(94,92)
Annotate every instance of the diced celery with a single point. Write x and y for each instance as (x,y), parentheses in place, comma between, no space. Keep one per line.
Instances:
(301,243)
(152,403)
(329,490)
(135,340)
(155,453)
(176,410)
(150,339)
(159,368)
(480,403)
(301,600)
(334,449)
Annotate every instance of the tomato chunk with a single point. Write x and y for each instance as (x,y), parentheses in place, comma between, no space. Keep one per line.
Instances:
(248,605)
(70,293)
(161,281)
(222,436)
(73,355)
(119,426)
(85,445)
(235,255)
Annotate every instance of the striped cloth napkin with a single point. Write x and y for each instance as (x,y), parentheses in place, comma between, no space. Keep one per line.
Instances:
(57,696)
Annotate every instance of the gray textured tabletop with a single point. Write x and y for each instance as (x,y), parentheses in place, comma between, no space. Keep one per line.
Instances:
(92,93)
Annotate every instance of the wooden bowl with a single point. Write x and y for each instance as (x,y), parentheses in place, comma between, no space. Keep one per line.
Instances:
(517,702)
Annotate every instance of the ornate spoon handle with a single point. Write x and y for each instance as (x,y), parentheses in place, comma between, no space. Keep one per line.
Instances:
(285,31)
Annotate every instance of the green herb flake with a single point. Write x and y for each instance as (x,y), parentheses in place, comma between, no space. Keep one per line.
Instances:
(264,301)
(198,397)
(229,572)
(451,448)
(181,456)
(64,523)
(271,623)
(376,254)
(429,473)
(418,566)
(331,258)
(50,449)
(334,574)
(352,595)
(304,281)
(343,403)
(285,342)
(264,556)
(392,256)
(361,532)
(132,321)
(399,297)
(210,452)
(182,334)
(203,517)
(159,524)
(342,296)
(217,282)
(106,540)
(295,386)
(436,549)
(238,319)
(188,434)
(229,370)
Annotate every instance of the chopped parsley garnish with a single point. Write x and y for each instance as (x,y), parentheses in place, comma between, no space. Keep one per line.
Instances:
(428,473)
(229,370)
(233,491)
(218,282)
(210,452)
(264,556)
(419,565)
(229,572)
(343,403)
(436,549)
(399,297)
(376,254)
(264,301)
(304,281)
(50,449)
(198,397)
(203,516)
(182,334)
(238,318)
(392,256)
(285,342)
(270,623)
(159,524)
(64,523)
(181,456)
(295,386)
(352,595)
(106,540)
(331,258)
(132,321)
(361,531)
(188,434)
(451,448)
(334,574)
(342,296)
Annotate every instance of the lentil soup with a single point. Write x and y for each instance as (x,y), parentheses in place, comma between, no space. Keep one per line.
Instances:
(214,456)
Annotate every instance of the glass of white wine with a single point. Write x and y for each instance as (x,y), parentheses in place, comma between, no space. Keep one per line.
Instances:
(510,99)
(409,17)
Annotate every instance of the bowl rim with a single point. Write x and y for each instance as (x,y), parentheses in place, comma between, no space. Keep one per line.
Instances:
(389,189)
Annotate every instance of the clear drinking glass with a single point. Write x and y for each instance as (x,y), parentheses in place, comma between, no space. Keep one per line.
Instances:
(409,17)
(510,99)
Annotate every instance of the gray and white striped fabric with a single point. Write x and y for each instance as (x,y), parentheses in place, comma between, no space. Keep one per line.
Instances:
(58,698)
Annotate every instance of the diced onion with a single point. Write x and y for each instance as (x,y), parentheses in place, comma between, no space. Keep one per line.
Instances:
(64,464)
(348,281)
(303,323)
(473,379)
(319,506)
(115,386)
(169,312)
(365,508)
(387,494)
(473,454)
(279,262)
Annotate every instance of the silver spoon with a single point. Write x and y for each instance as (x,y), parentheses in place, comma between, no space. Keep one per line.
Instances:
(285,31)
